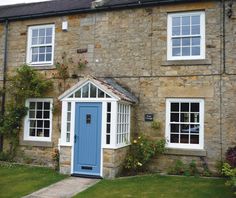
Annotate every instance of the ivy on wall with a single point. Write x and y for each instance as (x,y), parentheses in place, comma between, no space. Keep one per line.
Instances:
(26,83)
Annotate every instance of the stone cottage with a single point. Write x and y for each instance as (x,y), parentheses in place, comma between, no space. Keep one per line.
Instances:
(168,61)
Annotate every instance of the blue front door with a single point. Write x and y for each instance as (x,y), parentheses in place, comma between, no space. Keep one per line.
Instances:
(87,147)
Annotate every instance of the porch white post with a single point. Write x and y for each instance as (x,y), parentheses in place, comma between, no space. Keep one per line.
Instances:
(113,123)
(63,123)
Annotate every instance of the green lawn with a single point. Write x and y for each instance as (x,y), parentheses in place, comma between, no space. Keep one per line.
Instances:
(159,187)
(17,180)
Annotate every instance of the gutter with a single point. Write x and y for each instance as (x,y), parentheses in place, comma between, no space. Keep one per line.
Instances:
(4,77)
(137,4)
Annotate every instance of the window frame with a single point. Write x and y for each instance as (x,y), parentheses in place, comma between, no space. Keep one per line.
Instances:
(29,45)
(27,137)
(202,36)
(201,123)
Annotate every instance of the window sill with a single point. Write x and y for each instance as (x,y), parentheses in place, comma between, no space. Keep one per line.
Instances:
(36,143)
(43,67)
(187,152)
(186,62)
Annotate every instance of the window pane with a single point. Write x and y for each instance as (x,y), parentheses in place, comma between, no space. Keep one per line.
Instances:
(39,114)
(42,49)
(68,116)
(35,33)
(48,49)
(46,132)
(100,94)
(185,107)
(176,51)
(48,57)
(85,90)
(184,139)
(176,42)
(39,132)
(194,107)
(46,124)
(175,31)
(34,41)
(108,139)
(46,114)
(186,42)
(108,107)
(46,105)
(78,93)
(108,128)
(39,124)
(48,31)
(35,50)
(32,123)
(41,57)
(32,132)
(48,40)
(93,91)
(195,20)
(176,21)
(31,114)
(174,138)
(194,117)
(195,29)
(186,20)
(68,127)
(32,105)
(174,128)
(196,41)
(69,106)
(195,51)
(184,128)
(186,51)
(194,139)
(41,40)
(108,117)
(194,129)
(174,117)
(175,107)
(34,58)
(42,32)
(186,30)
(184,117)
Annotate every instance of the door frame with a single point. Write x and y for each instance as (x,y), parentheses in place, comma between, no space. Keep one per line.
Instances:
(73,133)
(101,154)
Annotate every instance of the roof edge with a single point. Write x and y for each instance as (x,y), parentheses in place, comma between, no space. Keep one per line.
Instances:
(138,4)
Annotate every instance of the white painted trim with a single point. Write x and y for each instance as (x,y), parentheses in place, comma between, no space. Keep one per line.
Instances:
(201,122)
(29,45)
(202,34)
(26,120)
(81,83)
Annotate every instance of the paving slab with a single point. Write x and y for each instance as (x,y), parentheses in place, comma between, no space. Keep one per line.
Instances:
(66,188)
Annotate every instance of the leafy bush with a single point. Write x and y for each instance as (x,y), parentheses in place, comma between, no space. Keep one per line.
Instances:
(142,150)
(231,156)
(180,168)
(230,172)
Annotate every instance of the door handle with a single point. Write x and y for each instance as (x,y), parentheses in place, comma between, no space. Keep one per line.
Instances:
(75,138)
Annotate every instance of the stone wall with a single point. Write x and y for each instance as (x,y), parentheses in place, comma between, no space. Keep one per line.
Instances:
(130,46)
(65,159)
(112,161)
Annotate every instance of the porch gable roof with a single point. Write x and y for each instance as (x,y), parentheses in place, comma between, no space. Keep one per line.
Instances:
(108,85)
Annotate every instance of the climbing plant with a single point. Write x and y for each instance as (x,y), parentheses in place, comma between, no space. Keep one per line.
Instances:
(26,83)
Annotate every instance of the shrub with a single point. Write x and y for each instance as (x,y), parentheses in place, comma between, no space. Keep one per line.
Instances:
(231,156)
(230,172)
(180,168)
(142,150)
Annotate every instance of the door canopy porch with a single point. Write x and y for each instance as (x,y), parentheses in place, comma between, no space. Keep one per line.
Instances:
(94,88)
